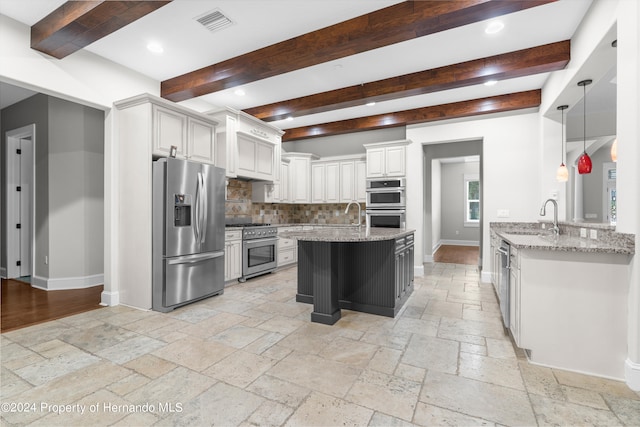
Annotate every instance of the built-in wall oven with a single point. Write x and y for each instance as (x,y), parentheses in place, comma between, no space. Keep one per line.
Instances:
(259,250)
(386,203)
(391,218)
(386,193)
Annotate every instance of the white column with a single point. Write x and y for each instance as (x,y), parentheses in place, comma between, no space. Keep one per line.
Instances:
(578,208)
(628,128)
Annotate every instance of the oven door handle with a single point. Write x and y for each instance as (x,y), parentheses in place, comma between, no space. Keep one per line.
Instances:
(260,242)
(386,211)
(385,190)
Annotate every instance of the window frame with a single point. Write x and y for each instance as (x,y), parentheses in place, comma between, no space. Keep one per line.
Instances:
(467,202)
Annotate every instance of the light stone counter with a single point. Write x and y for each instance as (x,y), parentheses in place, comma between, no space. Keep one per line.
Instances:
(347,234)
(533,236)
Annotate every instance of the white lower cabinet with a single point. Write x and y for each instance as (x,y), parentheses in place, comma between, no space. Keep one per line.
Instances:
(514,295)
(232,254)
(287,248)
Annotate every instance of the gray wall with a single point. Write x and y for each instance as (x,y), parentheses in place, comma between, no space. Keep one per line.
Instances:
(69,210)
(31,110)
(452,196)
(343,145)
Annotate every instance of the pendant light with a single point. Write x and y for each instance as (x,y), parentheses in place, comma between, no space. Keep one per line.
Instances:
(614,150)
(584,162)
(562,175)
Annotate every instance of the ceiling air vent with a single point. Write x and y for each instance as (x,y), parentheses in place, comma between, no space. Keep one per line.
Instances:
(214,20)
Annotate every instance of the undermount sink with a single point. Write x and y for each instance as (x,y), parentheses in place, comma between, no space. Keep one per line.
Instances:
(523,232)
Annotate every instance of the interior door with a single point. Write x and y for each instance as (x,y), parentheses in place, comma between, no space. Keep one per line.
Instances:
(19,202)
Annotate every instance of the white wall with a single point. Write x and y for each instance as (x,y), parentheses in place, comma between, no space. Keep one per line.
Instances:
(86,79)
(436,206)
(510,177)
(82,77)
(628,128)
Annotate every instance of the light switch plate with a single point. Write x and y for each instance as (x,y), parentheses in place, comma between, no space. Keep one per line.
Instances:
(503,213)
(583,232)
(593,234)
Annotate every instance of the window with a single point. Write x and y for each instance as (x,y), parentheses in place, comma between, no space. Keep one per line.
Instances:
(472,200)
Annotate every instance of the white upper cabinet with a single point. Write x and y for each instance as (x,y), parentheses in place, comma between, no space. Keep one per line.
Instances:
(387,159)
(325,182)
(201,139)
(193,137)
(361,180)
(169,129)
(247,147)
(299,176)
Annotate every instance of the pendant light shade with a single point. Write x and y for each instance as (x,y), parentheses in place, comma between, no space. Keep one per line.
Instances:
(614,150)
(584,162)
(562,175)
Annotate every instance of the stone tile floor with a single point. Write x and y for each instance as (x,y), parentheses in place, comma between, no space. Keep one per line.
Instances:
(252,357)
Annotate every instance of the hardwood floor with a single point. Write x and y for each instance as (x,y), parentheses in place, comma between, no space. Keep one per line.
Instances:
(22,305)
(457,254)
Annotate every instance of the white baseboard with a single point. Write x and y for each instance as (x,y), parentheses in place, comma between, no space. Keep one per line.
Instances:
(632,374)
(485,277)
(459,243)
(109,298)
(435,247)
(64,283)
(428,258)
(3,272)
(418,270)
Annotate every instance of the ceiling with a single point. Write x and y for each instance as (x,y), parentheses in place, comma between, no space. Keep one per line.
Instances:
(256,24)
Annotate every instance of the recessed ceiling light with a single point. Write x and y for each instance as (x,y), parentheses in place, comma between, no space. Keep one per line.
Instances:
(370,104)
(490,82)
(494,27)
(240,92)
(155,47)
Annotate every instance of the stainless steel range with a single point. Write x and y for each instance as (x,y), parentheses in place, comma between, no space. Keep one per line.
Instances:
(259,250)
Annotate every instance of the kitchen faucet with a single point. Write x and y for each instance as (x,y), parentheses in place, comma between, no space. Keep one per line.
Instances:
(543,212)
(359,211)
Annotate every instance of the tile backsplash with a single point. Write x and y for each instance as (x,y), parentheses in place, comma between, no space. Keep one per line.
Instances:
(239,205)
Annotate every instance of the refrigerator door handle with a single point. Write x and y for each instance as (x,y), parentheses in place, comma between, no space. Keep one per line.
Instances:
(192,259)
(205,209)
(198,215)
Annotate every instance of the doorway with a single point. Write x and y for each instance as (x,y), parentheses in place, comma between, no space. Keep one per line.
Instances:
(20,167)
(446,219)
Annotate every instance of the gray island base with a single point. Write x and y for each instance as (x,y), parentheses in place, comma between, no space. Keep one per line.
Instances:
(362,270)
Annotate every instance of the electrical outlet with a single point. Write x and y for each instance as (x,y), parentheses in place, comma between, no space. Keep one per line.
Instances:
(583,232)
(593,234)
(554,194)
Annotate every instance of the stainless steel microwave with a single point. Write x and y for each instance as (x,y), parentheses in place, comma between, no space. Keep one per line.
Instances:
(386,193)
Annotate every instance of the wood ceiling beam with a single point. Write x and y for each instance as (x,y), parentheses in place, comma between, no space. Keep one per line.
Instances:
(394,24)
(540,59)
(78,23)
(475,107)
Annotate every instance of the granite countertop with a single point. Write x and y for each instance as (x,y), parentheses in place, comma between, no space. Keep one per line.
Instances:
(533,237)
(347,234)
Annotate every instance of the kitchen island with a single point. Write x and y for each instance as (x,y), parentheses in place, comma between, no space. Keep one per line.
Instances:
(568,295)
(355,268)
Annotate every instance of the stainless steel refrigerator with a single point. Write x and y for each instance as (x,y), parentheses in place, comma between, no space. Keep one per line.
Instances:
(188,232)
